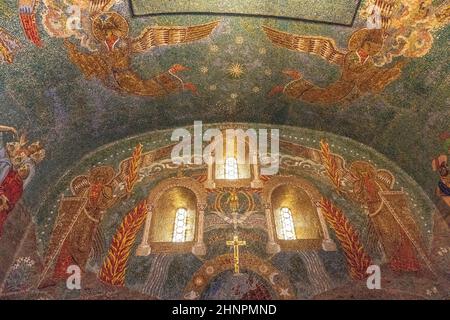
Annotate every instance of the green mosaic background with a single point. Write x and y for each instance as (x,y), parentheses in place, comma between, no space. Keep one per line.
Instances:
(332,11)
(44,94)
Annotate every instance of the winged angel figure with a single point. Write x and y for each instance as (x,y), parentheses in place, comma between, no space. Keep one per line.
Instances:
(60,18)
(111,64)
(359,74)
(400,29)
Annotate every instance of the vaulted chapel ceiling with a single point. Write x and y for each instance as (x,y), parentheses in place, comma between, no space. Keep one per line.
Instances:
(90,92)
(233,67)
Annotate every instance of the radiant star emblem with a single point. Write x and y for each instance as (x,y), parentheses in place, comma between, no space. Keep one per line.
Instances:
(236,70)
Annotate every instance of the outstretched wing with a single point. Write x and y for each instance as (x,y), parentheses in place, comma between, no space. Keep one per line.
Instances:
(27,13)
(96,6)
(161,36)
(323,47)
(385,9)
(246,215)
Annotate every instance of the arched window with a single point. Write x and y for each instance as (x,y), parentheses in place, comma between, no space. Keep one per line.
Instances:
(287,224)
(175,220)
(180,225)
(231,168)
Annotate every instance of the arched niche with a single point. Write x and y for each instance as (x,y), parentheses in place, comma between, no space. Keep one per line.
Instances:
(300,197)
(302,212)
(163,204)
(165,212)
(247,167)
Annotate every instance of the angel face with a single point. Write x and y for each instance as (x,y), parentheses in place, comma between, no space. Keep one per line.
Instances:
(24,171)
(371,47)
(110,28)
(101,175)
(372,41)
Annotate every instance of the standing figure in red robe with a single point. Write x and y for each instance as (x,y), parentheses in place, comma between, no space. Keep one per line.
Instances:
(17,168)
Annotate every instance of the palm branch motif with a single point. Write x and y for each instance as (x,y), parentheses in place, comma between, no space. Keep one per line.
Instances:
(115,265)
(357,259)
(133,168)
(330,165)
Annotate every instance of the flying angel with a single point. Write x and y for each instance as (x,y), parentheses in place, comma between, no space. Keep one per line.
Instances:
(60,18)
(112,63)
(359,74)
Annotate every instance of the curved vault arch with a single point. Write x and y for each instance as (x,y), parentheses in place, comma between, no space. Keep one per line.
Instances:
(279,282)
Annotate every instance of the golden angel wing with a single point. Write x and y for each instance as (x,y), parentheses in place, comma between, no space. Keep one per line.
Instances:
(323,47)
(96,6)
(386,8)
(165,35)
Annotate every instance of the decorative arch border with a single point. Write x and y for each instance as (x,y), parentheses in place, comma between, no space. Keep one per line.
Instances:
(312,192)
(185,182)
(294,181)
(279,282)
(254,181)
(199,248)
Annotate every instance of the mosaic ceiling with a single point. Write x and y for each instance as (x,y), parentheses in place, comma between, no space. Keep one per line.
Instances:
(233,68)
(91,90)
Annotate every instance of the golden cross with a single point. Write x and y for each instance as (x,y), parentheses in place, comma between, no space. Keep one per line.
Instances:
(236,243)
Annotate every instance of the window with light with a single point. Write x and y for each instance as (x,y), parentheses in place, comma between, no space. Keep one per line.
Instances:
(180,226)
(287,224)
(231,168)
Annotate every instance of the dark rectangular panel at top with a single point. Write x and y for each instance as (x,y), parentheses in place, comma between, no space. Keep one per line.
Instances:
(329,11)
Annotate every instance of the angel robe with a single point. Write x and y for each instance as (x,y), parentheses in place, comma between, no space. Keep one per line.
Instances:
(358,72)
(113,68)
